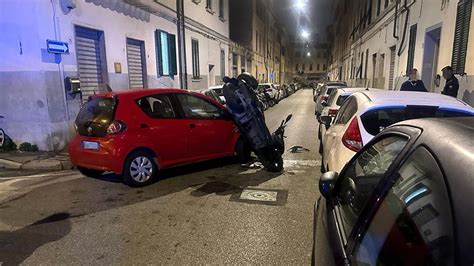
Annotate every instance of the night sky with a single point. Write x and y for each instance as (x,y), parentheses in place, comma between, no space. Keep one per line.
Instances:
(314,18)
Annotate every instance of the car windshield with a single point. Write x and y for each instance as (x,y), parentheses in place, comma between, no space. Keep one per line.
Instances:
(375,121)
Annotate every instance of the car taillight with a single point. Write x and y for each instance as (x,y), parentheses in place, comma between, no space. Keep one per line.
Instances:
(333,112)
(115,128)
(352,138)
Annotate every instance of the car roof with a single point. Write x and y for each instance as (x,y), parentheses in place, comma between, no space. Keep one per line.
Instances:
(216,87)
(451,141)
(393,98)
(139,92)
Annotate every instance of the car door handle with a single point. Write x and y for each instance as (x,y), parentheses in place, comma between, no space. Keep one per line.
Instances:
(192,125)
(143,125)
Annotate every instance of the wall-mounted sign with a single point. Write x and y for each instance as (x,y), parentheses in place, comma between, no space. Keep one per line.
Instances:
(57,47)
(118,67)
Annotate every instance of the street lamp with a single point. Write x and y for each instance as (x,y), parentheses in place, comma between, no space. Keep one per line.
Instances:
(305,34)
(308,54)
(300,4)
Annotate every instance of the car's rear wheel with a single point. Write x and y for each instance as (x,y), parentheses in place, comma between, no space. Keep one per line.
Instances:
(139,170)
(90,172)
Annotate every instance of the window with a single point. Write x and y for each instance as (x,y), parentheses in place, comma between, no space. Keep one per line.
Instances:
(413,218)
(379,5)
(209,5)
(157,106)
(376,120)
(195,57)
(303,67)
(221,9)
(296,67)
(165,46)
(366,63)
(362,175)
(317,67)
(386,4)
(222,63)
(324,67)
(461,36)
(411,48)
(348,109)
(197,108)
(311,67)
(256,40)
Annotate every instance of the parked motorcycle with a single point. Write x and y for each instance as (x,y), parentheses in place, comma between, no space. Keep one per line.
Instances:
(243,104)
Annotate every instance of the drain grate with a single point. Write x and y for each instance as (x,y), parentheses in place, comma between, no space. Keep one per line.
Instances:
(261,196)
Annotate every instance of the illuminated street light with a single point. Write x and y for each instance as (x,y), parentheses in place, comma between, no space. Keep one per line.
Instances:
(300,4)
(305,34)
(308,54)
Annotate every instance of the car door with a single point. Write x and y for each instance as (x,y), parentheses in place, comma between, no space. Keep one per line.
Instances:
(210,133)
(161,129)
(333,136)
(412,222)
(354,188)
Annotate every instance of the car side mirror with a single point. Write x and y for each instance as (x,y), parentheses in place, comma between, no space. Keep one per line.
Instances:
(326,121)
(327,183)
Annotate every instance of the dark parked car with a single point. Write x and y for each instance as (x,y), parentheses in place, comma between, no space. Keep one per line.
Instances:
(404,199)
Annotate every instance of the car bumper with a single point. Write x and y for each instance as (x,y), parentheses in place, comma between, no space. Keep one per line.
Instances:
(107,158)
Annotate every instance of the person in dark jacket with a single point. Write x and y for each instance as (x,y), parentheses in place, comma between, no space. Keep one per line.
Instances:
(452,84)
(413,83)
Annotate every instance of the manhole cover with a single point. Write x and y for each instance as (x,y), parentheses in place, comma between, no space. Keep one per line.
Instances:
(261,196)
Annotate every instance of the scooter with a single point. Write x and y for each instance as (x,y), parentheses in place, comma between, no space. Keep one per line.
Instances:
(271,156)
(243,105)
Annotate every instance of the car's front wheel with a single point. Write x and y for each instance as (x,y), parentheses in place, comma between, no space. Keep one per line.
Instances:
(139,169)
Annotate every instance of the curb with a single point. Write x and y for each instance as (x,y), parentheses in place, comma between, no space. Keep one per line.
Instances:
(7,164)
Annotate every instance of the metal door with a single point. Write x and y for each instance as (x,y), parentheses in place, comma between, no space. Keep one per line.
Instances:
(90,60)
(136,63)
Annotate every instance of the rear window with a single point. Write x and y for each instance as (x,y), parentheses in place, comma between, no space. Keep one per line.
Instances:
(96,114)
(330,90)
(218,91)
(341,99)
(376,120)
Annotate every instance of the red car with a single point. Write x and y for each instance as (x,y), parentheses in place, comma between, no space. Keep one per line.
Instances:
(134,133)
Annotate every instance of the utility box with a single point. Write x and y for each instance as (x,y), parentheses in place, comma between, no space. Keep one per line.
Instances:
(72,85)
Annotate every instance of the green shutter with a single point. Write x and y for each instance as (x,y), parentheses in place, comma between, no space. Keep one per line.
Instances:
(461,35)
(159,64)
(172,54)
(411,47)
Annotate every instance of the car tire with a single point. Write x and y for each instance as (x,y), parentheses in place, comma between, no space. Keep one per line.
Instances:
(90,172)
(145,169)
(243,151)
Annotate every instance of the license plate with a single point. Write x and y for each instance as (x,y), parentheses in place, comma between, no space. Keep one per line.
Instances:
(90,145)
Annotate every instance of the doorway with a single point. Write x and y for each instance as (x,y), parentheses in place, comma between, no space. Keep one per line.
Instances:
(430,57)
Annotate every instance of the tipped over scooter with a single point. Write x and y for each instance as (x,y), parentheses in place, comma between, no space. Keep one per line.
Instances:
(248,114)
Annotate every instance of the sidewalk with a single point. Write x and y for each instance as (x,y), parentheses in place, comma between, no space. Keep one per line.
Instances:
(43,161)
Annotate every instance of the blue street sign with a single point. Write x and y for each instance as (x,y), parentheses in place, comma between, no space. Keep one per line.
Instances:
(57,47)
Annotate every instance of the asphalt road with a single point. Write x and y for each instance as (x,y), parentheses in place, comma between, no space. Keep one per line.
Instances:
(194,215)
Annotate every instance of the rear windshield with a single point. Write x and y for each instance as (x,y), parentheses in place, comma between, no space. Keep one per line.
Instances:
(376,120)
(96,114)
(341,99)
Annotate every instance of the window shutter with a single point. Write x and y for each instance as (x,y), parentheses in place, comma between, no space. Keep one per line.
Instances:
(461,35)
(159,64)
(411,47)
(172,54)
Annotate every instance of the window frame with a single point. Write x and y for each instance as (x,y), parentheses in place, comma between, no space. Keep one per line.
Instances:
(172,62)
(183,115)
(385,185)
(195,59)
(171,97)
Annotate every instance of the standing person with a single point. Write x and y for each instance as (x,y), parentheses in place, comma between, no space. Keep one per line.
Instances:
(413,83)
(452,84)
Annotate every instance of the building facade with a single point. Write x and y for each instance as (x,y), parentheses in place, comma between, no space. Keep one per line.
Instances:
(375,42)
(260,43)
(310,61)
(112,45)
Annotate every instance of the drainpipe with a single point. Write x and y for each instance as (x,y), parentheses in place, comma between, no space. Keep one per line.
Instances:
(405,27)
(183,74)
(395,20)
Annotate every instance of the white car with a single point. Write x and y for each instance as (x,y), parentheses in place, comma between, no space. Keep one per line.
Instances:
(364,114)
(218,90)
(331,107)
(270,89)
